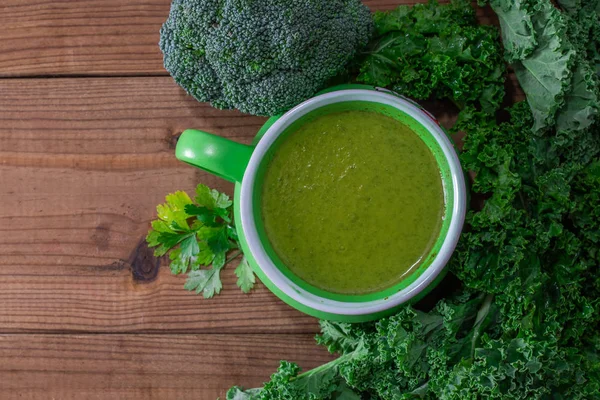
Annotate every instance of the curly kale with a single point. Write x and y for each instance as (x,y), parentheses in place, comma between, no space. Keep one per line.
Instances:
(436,51)
(534,245)
(525,322)
(261,57)
(556,58)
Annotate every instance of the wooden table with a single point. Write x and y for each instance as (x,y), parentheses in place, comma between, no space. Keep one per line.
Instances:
(88,123)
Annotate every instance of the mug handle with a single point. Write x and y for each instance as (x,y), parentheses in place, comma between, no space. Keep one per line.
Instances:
(219,156)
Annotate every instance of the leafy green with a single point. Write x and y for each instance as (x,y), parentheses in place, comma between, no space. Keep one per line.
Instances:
(198,234)
(516,28)
(581,100)
(246,278)
(237,393)
(206,281)
(528,247)
(524,323)
(323,382)
(431,50)
(556,61)
(545,74)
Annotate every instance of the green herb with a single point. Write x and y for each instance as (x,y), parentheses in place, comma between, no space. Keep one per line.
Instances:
(246,278)
(436,51)
(199,234)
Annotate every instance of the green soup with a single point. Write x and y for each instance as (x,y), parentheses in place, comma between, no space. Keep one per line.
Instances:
(352,202)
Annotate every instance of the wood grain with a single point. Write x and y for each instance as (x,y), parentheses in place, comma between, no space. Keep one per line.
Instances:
(97,37)
(84,162)
(178,367)
(81,37)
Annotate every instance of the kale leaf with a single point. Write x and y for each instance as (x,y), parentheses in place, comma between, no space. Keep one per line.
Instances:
(436,51)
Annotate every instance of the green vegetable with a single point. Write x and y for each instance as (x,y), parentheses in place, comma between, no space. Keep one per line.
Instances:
(261,57)
(246,278)
(555,55)
(199,234)
(323,382)
(516,27)
(525,321)
(431,50)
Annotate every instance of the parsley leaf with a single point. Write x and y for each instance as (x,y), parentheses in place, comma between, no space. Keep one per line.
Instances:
(172,213)
(181,257)
(207,281)
(198,235)
(246,278)
(211,198)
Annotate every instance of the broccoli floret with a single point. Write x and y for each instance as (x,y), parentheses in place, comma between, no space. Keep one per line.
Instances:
(261,56)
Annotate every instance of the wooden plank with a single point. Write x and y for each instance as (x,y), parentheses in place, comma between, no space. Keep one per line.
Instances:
(144,366)
(83,164)
(82,37)
(97,37)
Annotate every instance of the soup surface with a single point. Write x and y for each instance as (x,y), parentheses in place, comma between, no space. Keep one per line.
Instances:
(352,202)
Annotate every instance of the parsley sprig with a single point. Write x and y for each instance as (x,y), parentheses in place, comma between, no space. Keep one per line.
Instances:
(200,238)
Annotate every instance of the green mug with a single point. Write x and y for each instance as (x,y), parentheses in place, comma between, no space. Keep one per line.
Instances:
(242,164)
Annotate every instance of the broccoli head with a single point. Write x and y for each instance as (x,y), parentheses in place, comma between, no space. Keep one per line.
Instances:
(261,56)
